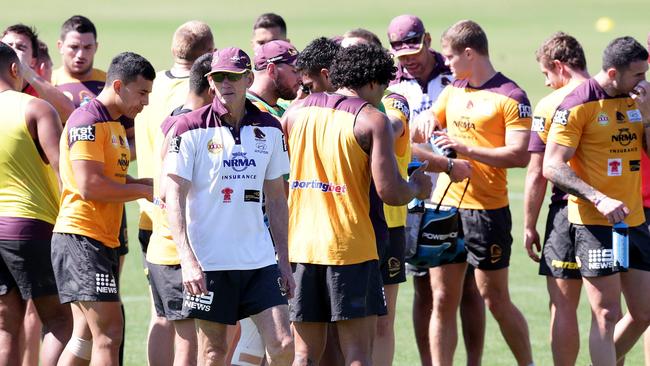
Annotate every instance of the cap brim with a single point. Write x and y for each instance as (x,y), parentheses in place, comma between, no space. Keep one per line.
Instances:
(231,71)
(408,51)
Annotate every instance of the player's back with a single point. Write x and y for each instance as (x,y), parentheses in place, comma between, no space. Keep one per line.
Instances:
(329,184)
(28,186)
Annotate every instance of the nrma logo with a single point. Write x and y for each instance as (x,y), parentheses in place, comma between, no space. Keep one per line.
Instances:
(239,162)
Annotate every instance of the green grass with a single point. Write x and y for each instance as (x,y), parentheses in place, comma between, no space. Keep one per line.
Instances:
(515,29)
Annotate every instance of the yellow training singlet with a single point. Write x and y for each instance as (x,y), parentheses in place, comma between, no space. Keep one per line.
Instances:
(329,184)
(29,187)
(396,106)
(168,92)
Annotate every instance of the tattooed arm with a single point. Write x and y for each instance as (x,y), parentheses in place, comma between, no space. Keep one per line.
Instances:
(558,171)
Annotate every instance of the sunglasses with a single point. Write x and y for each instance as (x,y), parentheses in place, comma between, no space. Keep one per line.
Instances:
(407,43)
(218,77)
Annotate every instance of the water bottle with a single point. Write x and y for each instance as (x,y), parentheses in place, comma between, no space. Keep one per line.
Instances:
(416,205)
(620,246)
(447,152)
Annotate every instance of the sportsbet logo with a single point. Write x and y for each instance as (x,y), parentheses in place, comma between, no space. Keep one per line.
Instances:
(321,186)
(202,302)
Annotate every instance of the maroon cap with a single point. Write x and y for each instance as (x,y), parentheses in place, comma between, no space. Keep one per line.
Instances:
(275,52)
(230,59)
(406,35)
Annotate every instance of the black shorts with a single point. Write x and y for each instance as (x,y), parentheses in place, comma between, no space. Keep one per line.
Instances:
(333,293)
(143,237)
(26,264)
(487,237)
(559,254)
(594,249)
(123,236)
(235,295)
(166,283)
(391,259)
(85,269)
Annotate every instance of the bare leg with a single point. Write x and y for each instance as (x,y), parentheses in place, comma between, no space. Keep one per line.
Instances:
(57,327)
(80,330)
(185,344)
(565,337)
(273,325)
(472,318)
(12,310)
(493,286)
(422,308)
(212,343)
(446,287)
(356,337)
(636,320)
(30,336)
(106,324)
(309,341)
(603,293)
(384,349)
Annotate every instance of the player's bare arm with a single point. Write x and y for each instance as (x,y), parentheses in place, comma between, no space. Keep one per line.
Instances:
(458,169)
(375,135)
(176,194)
(558,171)
(534,191)
(397,125)
(95,186)
(145,181)
(513,155)
(47,91)
(45,127)
(278,213)
(130,137)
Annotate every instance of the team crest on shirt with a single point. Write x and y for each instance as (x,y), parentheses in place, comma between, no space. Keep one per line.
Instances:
(538,124)
(635,165)
(259,134)
(561,117)
(214,147)
(614,167)
(603,119)
(620,118)
(525,111)
(634,115)
(174,144)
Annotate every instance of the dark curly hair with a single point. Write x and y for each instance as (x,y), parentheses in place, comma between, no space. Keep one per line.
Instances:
(319,54)
(358,65)
(621,52)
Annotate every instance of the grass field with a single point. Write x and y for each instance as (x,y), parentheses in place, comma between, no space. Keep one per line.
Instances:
(515,29)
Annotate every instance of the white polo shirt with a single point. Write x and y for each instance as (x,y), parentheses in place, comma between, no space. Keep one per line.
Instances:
(227,169)
(422,98)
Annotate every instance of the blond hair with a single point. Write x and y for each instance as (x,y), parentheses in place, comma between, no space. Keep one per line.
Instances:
(191,40)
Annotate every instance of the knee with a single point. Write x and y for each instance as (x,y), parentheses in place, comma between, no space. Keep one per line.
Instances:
(213,353)
(445,302)
(498,303)
(281,349)
(384,326)
(640,316)
(607,317)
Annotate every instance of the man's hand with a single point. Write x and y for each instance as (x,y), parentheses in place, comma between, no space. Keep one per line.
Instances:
(614,210)
(193,278)
(287,283)
(531,238)
(461,170)
(641,95)
(422,182)
(422,127)
(443,141)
